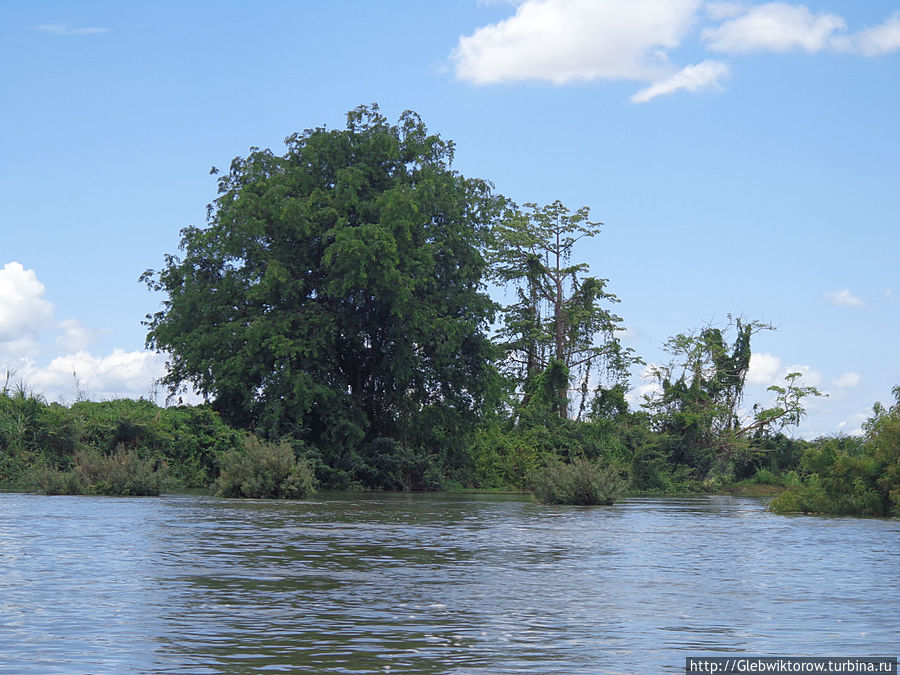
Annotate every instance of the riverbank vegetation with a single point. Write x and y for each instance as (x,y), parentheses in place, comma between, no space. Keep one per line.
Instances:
(334,312)
(579,482)
(120,446)
(264,471)
(123,472)
(856,476)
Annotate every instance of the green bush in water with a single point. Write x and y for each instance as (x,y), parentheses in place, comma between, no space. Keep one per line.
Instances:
(264,471)
(581,482)
(851,476)
(122,473)
(52,481)
(856,499)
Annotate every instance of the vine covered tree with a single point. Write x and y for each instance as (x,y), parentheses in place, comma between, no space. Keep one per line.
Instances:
(560,337)
(698,402)
(335,294)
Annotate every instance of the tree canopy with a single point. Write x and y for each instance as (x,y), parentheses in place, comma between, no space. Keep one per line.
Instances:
(335,303)
(335,293)
(698,401)
(560,337)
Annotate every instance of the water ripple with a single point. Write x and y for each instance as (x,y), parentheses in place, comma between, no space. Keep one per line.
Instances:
(431,584)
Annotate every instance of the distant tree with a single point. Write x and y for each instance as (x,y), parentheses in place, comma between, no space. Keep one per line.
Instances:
(702,386)
(560,337)
(788,409)
(336,290)
(698,402)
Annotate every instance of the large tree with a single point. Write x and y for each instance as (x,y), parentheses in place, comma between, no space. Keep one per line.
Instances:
(560,335)
(336,291)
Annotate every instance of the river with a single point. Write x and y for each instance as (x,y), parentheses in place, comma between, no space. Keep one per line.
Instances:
(444,583)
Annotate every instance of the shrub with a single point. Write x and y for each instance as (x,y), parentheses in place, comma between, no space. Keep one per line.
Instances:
(188,438)
(264,471)
(851,476)
(765,477)
(37,437)
(856,499)
(502,458)
(52,481)
(386,464)
(581,482)
(122,473)
(791,479)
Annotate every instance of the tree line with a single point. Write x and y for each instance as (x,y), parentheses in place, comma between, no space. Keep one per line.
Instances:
(337,303)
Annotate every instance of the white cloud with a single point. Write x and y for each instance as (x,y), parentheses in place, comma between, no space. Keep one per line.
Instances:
(843,297)
(23,309)
(810,377)
(847,381)
(62,29)
(564,41)
(763,369)
(852,426)
(724,10)
(75,337)
(12,351)
(121,373)
(649,386)
(781,27)
(776,27)
(880,39)
(635,397)
(576,40)
(875,41)
(703,75)
(26,321)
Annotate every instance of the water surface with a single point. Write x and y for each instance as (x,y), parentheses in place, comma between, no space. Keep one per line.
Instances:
(378,583)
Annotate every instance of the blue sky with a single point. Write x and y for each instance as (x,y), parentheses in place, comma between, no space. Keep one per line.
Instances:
(743,157)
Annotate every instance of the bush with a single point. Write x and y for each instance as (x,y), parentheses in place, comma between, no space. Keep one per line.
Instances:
(765,477)
(845,475)
(856,500)
(122,473)
(188,439)
(386,464)
(264,471)
(581,482)
(503,459)
(52,481)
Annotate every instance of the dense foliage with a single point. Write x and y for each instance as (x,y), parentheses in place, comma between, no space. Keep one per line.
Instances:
(579,482)
(336,296)
(123,472)
(181,443)
(850,475)
(264,471)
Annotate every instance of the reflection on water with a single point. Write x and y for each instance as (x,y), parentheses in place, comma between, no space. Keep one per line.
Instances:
(432,584)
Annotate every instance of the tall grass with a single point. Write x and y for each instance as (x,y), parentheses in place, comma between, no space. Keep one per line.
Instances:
(94,473)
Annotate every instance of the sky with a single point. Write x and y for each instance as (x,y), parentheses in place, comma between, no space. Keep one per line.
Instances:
(743,157)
